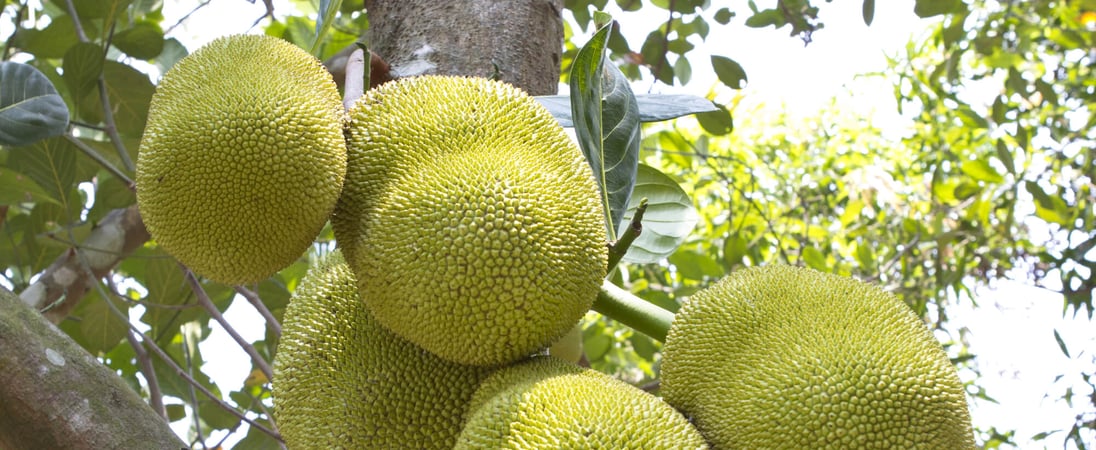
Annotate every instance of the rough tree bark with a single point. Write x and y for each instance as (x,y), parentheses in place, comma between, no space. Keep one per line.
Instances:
(56,395)
(74,402)
(519,41)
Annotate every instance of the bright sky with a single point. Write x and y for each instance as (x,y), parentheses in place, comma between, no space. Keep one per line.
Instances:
(1012,329)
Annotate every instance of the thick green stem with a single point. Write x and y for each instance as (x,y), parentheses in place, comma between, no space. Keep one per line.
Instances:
(624,307)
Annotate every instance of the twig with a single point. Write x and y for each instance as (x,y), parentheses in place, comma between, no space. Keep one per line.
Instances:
(15,21)
(198,435)
(99,159)
(257,302)
(108,113)
(186,16)
(147,340)
(144,363)
(635,228)
(203,299)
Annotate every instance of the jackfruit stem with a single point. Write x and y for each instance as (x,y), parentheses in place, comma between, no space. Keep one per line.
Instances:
(618,249)
(642,315)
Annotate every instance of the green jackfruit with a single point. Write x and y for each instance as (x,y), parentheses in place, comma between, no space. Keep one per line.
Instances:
(782,357)
(343,381)
(243,157)
(547,403)
(470,218)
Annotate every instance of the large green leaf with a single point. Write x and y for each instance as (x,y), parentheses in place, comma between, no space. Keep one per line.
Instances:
(669,218)
(100,327)
(652,107)
(129,92)
(30,108)
(17,188)
(607,125)
(82,65)
(729,72)
(144,40)
(51,163)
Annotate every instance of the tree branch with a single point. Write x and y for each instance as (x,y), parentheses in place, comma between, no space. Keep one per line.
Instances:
(61,286)
(56,395)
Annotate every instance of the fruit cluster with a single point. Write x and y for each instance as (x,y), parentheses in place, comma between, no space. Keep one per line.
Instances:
(470,239)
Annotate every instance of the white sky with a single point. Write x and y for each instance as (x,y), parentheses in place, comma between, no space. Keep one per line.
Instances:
(1011,330)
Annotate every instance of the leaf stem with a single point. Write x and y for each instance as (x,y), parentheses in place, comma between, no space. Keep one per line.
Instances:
(635,228)
(257,302)
(207,304)
(99,159)
(637,313)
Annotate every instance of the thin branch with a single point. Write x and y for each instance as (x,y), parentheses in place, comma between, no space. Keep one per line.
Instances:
(257,302)
(203,299)
(186,16)
(144,364)
(108,112)
(15,22)
(99,159)
(198,435)
(160,353)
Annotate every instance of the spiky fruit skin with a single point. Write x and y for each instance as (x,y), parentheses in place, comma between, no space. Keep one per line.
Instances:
(782,357)
(470,218)
(343,381)
(548,403)
(243,157)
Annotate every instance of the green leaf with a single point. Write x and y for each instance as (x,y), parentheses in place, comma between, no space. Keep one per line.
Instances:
(327,12)
(82,65)
(814,258)
(17,188)
(50,42)
(723,16)
(51,163)
(718,122)
(256,439)
(768,17)
(596,343)
(734,249)
(172,53)
(981,170)
(607,125)
(868,11)
(1005,156)
(143,40)
(129,92)
(215,416)
(729,72)
(652,107)
(669,219)
(101,328)
(1061,344)
(175,412)
(110,194)
(930,8)
(30,108)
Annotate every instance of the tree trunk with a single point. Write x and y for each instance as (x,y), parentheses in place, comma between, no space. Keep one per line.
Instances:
(517,41)
(57,396)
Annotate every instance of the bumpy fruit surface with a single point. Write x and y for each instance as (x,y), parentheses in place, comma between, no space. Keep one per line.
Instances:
(547,403)
(470,218)
(243,157)
(785,357)
(343,381)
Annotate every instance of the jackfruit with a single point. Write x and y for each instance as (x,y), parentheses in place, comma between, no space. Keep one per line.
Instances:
(786,357)
(470,218)
(343,381)
(243,157)
(547,403)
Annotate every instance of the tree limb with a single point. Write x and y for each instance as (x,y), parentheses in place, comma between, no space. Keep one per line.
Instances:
(61,286)
(56,395)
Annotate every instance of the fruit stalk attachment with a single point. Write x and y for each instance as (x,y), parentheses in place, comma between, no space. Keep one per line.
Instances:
(624,307)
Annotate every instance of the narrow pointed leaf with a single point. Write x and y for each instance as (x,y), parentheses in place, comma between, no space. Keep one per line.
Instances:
(868,11)
(30,108)
(669,218)
(328,10)
(652,107)
(606,119)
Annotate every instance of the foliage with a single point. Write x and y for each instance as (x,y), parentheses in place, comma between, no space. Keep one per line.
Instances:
(982,189)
